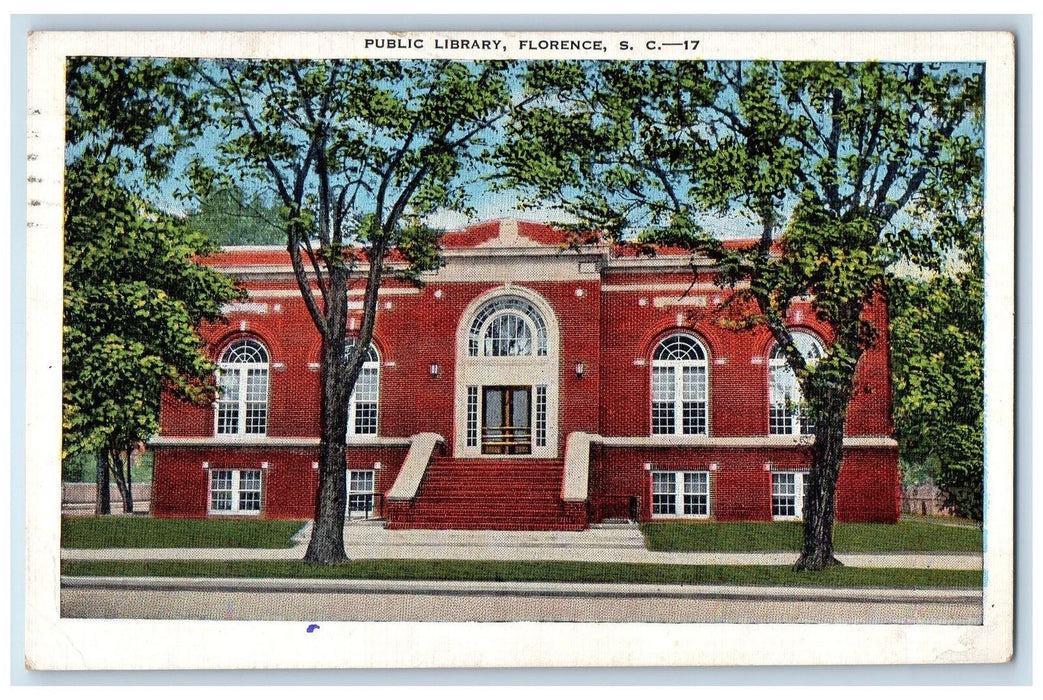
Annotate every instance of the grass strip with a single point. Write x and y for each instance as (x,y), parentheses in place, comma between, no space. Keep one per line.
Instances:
(905,536)
(102,532)
(550,571)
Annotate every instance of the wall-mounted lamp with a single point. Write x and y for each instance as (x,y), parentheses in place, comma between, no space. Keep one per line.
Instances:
(435,370)
(580,370)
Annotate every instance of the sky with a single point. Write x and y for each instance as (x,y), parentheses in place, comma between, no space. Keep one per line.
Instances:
(487,203)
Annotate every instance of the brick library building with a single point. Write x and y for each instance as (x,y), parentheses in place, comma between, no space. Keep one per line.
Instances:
(523,387)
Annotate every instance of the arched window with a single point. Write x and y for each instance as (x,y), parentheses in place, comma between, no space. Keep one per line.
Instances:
(242,382)
(786,412)
(507,326)
(364,404)
(679,387)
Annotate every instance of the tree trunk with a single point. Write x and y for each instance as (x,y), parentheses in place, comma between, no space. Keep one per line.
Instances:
(101,481)
(128,496)
(121,479)
(327,535)
(820,492)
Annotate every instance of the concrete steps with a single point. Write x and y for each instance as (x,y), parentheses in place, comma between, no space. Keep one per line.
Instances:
(489,494)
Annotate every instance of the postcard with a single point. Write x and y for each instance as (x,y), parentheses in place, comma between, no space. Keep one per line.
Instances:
(494,349)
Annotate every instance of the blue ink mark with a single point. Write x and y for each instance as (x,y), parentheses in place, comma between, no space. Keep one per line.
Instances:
(312,628)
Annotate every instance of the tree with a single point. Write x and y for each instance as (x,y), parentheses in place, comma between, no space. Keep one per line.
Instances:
(133,296)
(228,216)
(838,169)
(937,341)
(356,153)
(133,289)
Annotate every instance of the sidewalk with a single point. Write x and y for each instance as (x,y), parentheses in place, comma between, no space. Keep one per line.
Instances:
(616,543)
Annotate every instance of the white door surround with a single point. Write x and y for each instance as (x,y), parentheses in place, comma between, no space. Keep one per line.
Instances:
(507,337)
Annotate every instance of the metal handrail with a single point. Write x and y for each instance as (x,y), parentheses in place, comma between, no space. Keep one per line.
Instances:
(509,435)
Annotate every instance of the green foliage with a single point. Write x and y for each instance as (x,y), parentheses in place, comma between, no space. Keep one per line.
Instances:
(844,169)
(356,153)
(134,292)
(130,113)
(82,468)
(133,297)
(79,468)
(229,217)
(937,342)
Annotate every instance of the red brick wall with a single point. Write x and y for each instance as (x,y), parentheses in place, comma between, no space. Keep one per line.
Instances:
(740,487)
(738,365)
(605,330)
(181,484)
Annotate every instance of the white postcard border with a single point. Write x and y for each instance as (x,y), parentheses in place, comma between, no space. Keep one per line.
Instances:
(56,643)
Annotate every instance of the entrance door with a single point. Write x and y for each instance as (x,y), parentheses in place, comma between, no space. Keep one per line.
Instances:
(506,415)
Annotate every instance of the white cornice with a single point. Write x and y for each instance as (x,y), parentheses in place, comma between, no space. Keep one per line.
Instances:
(295,293)
(672,287)
(753,441)
(269,442)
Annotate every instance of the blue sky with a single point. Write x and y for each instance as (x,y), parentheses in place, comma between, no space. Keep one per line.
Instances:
(486,202)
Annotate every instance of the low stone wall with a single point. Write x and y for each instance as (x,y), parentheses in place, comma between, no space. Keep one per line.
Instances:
(79,498)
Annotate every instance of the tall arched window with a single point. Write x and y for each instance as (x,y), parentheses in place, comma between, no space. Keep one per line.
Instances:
(242,382)
(364,404)
(679,387)
(507,326)
(786,411)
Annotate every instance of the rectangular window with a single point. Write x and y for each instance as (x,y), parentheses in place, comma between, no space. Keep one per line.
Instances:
(664,501)
(360,493)
(681,494)
(235,491)
(789,419)
(364,402)
(696,493)
(541,416)
(256,401)
(693,398)
(472,416)
(228,402)
(663,388)
(787,495)
(780,420)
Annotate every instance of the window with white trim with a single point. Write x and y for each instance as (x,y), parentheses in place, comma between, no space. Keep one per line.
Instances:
(786,413)
(507,326)
(788,494)
(361,487)
(679,387)
(242,384)
(541,416)
(235,491)
(364,404)
(472,416)
(681,494)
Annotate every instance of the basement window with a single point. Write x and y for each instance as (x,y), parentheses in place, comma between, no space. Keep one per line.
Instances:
(681,494)
(360,493)
(788,494)
(235,491)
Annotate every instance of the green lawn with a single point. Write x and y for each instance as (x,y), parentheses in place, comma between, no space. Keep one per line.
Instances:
(581,572)
(99,532)
(905,536)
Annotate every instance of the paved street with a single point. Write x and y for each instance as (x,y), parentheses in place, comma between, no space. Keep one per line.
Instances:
(216,599)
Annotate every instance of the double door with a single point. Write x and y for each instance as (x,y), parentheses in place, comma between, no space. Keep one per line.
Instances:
(507,420)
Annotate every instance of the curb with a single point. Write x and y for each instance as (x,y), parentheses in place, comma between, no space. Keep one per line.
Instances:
(528,589)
